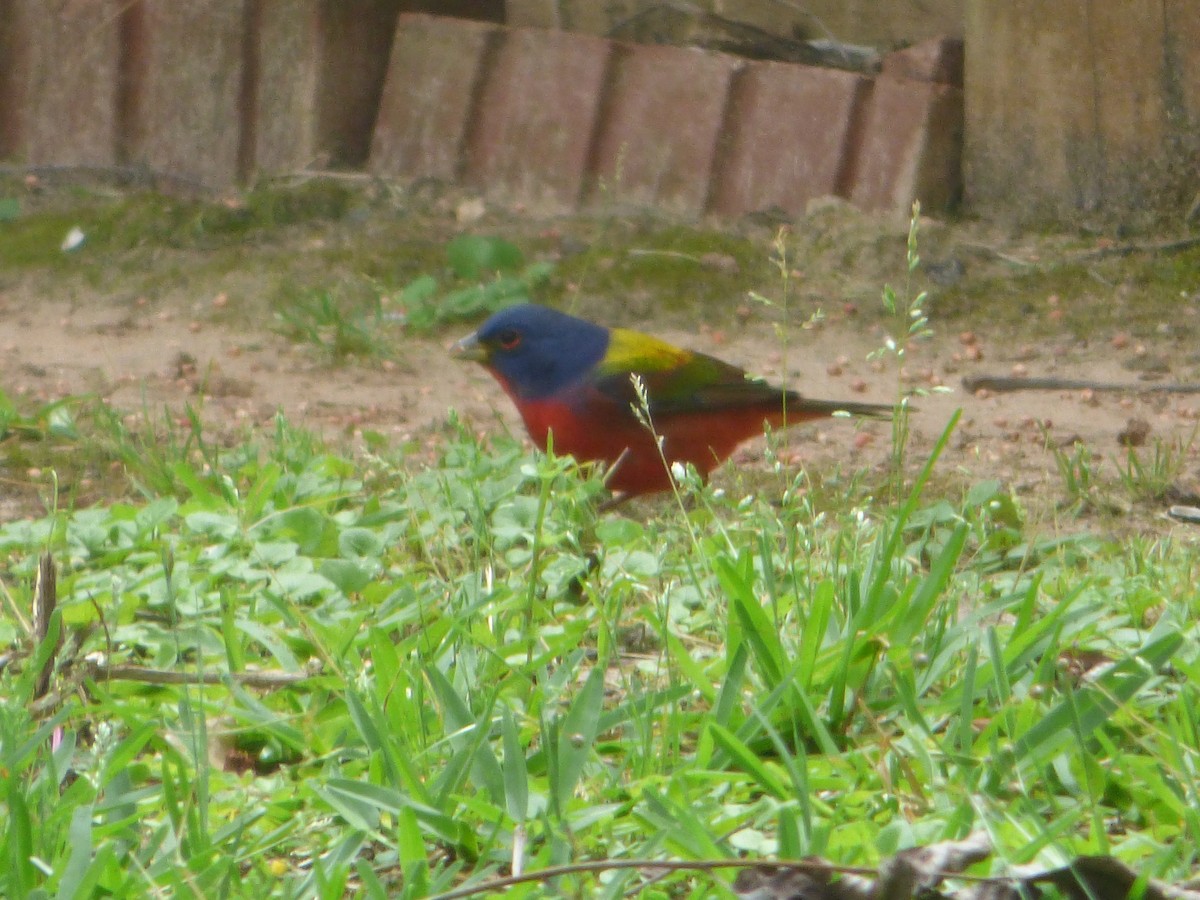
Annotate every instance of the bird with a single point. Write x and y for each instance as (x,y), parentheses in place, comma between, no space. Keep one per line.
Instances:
(573,384)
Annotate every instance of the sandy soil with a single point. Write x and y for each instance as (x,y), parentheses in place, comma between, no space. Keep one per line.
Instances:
(141,358)
(207,341)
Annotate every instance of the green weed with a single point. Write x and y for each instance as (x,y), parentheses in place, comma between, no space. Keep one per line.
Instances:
(487,274)
(293,672)
(339,326)
(485,668)
(1153,478)
(48,420)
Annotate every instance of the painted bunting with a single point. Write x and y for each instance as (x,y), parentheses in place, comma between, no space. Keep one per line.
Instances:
(574,379)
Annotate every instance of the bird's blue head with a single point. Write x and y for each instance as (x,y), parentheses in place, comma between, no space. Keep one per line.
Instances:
(535,351)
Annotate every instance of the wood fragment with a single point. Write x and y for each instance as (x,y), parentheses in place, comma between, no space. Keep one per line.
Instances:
(1006,383)
(265,680)
(45,600)
(98,670)
(1130,249)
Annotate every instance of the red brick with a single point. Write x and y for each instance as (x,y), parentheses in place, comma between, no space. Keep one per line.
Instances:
(537,111)
(658,140)
(938,59)
(185,99)
(428,96)
(58,90)
(786,137)
(909,148)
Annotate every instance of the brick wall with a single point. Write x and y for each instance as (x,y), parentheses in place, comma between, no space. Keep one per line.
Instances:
(1082,107)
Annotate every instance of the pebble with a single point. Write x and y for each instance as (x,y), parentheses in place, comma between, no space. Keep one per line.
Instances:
(1134,433)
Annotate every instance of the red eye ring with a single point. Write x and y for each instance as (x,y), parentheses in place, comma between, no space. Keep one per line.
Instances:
(509,339)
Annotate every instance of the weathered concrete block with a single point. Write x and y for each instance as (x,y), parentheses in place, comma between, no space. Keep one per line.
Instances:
(1082,108)
(536,116)
(658,138)
(786,137)
(429,95)
(185,110)
(909,147)
(532,13)
(59,69)
(356,39)
(854,21)
(286,68)
(937,59)
(319,74)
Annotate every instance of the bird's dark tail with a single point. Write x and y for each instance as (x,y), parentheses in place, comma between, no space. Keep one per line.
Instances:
(799,409)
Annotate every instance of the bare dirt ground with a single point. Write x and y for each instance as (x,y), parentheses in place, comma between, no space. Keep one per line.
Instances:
(190,345)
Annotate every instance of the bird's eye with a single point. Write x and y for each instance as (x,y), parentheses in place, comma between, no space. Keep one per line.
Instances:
(509,338)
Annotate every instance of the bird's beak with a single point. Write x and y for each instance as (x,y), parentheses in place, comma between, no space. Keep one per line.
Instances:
(470,348)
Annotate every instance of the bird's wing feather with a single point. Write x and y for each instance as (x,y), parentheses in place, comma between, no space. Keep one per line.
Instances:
(676,380)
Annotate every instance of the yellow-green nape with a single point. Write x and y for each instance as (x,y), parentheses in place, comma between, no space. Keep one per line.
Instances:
(632,351)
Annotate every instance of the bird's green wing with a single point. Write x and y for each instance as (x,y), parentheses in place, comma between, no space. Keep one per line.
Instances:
(676,380)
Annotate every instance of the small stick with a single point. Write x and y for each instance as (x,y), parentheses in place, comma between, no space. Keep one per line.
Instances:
(265,680)
(100,671)
(1128,249)
(45,599)
(1005,384)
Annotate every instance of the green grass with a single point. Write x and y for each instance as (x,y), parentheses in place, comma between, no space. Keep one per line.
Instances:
(488,663)
(400,675)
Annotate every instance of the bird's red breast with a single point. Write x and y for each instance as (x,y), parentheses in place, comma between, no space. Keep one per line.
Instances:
(574,380)
(592,427)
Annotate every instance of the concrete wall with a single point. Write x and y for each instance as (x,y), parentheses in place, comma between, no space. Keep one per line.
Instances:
(1082,109)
